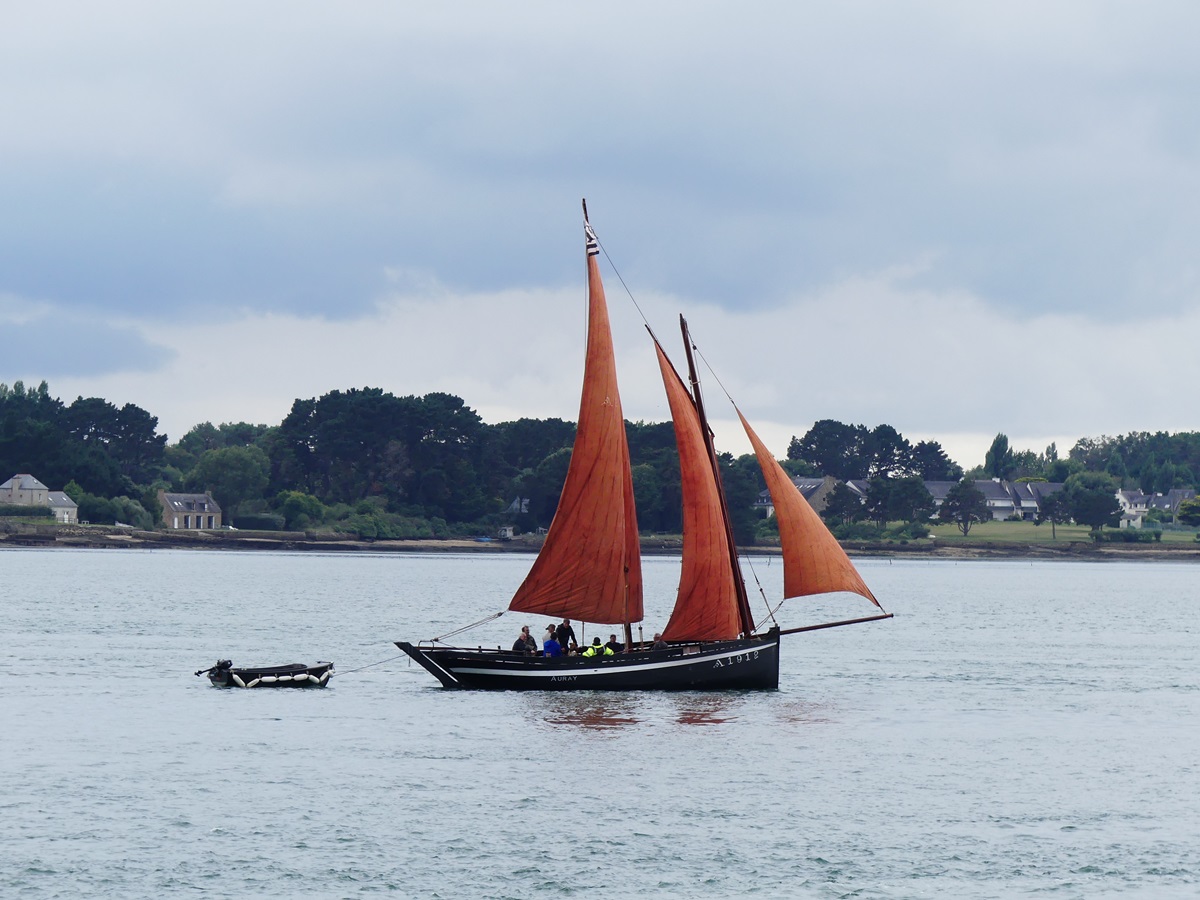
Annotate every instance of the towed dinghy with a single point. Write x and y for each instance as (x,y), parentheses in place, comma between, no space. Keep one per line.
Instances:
(224,674)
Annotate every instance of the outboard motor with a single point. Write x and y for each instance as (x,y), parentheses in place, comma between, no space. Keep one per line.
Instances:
(218,672)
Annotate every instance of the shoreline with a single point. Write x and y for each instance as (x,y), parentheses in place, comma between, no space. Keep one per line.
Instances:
(99,537)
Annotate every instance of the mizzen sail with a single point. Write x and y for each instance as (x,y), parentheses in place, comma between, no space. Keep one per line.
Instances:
(590,565)
(813,561)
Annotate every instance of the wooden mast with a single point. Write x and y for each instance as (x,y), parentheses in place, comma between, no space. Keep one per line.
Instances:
(743,601)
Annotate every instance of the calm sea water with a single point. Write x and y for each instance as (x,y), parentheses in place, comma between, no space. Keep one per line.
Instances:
(1018,729)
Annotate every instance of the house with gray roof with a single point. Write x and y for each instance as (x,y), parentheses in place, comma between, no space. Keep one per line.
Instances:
(1133,508)
(999,498)
(938,491)
(814,490)
(64,509)
(25,490)
(190,512)
(1136,504)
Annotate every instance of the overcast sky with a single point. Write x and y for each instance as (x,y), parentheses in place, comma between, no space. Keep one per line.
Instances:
(956,219)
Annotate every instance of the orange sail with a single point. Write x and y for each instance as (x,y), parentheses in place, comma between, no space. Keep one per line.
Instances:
(706,608)
(813,561)
(590,565)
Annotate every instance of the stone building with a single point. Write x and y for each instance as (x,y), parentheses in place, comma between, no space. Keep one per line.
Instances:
(25,490)
(193,512)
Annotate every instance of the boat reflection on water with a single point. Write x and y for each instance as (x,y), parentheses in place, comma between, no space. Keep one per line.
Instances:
(606,712)
(803,712)
(601,712)
(706,709)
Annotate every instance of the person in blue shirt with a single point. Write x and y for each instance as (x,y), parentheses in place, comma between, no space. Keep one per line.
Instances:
(551,647)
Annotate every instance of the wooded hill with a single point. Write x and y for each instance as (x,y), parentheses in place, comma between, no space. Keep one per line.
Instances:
(370,463)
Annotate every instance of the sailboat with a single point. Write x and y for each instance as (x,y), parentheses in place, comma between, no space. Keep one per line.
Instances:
(589,566)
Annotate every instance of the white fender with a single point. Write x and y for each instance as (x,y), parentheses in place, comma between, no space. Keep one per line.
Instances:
(325,676)
(237,679)
(269,679)
(254,683)
(313,679)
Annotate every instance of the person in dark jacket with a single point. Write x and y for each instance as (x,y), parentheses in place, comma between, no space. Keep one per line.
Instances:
(614,645)
(525,643)
(565,633)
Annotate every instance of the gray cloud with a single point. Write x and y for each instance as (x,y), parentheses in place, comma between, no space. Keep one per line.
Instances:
(201,157)
(1023,175)
(51,343)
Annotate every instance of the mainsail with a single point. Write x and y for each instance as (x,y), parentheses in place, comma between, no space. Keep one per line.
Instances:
(813,561)
(590,565)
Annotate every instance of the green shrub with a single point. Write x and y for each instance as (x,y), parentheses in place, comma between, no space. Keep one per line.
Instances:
(857,531)
(300,510)
(259,522)
(1130,536)
(380,526)
(24,512)
(909,531)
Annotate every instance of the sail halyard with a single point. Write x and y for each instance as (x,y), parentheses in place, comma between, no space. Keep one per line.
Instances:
(589,567)
(813,561)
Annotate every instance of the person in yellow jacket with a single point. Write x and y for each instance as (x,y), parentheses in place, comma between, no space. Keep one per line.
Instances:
(597,649)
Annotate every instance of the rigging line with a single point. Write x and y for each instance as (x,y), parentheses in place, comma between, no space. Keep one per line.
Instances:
(617,272)
(778,606)
(713,372)
(367,666)
(484,620)
(646,321)
(762,593)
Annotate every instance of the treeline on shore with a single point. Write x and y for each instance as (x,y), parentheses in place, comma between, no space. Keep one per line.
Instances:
(372,464)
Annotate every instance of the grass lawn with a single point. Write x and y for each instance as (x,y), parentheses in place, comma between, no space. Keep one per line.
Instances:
(1028,533)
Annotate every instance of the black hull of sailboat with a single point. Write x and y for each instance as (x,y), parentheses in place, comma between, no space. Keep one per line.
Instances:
(751,664)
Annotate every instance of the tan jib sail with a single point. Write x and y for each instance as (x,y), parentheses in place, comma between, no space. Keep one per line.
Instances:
(590,565)
(813,561)
(706,607)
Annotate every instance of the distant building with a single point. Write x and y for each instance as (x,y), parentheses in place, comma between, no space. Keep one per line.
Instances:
(189,512)
(1005,499)
(25,490)
(1136,504)
(938,491)
(815,491)
(1133,508)
(65,510)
